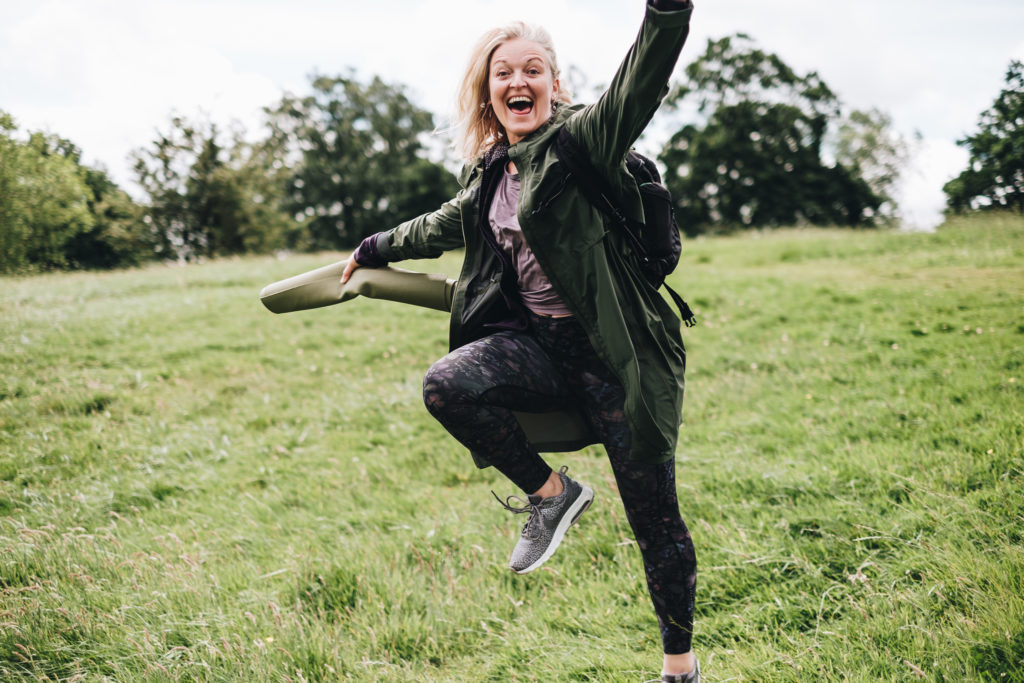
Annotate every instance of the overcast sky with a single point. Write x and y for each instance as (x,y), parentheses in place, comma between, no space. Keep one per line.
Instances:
(107,73)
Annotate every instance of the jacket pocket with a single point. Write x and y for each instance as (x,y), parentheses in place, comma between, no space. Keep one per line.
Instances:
(571,221)
(546,196)
(485,306)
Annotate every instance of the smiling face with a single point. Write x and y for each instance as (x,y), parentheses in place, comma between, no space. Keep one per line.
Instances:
(522,87)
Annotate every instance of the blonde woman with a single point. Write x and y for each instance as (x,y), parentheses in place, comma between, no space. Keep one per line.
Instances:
(551,309)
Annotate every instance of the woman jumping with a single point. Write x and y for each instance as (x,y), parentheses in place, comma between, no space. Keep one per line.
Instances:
(551,309)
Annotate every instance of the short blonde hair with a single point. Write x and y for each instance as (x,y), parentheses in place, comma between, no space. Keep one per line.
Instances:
(476,126)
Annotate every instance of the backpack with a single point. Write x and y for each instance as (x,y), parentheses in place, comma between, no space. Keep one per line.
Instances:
(656,240)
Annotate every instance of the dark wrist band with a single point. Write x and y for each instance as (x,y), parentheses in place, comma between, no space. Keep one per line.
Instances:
(367,254)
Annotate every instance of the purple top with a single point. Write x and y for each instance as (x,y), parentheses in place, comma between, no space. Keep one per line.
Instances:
(534,287)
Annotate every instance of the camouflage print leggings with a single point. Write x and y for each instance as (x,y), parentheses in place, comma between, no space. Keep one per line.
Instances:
(472,392)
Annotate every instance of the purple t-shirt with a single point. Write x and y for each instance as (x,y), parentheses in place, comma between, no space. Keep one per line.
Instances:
(534,287)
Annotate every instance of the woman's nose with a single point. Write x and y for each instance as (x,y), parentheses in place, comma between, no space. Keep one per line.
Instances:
(518,79)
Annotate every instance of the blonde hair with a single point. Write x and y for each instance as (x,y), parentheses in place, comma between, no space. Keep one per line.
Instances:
(476,126)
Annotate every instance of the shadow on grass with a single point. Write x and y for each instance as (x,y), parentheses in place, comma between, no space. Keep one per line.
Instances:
(1000,660)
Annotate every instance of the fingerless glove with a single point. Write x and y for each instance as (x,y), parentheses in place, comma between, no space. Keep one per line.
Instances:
(367,253)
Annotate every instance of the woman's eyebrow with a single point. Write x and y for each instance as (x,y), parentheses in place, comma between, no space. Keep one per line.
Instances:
(505,62)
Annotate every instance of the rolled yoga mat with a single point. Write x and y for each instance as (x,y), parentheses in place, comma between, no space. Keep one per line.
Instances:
(322,287)
(548,432)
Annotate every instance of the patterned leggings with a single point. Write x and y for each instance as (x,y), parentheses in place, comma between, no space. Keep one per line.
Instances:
(472,392)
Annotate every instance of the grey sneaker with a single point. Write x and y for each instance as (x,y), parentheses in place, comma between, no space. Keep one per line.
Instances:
(549,519)
(692,677)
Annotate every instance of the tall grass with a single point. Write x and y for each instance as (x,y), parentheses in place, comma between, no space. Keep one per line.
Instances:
(192,488)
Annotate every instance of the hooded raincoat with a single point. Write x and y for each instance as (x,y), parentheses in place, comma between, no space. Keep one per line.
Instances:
(591,266)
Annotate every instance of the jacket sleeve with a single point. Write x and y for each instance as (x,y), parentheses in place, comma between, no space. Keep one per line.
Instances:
(426,236)
(608,128)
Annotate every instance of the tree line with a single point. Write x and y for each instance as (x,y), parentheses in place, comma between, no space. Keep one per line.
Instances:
(332,167)
(757,145)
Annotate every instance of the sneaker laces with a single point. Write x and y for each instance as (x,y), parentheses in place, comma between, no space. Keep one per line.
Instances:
(530,529)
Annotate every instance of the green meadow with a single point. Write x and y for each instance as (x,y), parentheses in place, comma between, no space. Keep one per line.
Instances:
(192,488)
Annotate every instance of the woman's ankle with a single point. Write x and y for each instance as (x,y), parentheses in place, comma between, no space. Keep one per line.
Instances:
(552,487)
(679,664)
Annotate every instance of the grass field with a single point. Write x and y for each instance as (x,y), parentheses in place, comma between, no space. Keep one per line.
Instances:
(192,488)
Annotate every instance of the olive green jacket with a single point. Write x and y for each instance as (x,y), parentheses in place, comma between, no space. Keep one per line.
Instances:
(590,265)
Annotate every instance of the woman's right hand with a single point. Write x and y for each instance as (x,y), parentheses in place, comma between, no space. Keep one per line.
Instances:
(364,256)
(349,268)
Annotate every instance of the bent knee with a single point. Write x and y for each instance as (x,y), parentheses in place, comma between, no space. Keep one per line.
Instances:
(443,385)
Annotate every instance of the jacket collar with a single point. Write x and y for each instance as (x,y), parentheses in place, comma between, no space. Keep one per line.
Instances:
(500,149)
(495,153)
(498,152)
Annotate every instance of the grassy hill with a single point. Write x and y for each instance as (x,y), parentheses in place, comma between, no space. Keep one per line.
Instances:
(193,488)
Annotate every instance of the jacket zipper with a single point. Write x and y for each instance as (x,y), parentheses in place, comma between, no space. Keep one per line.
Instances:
(553,196)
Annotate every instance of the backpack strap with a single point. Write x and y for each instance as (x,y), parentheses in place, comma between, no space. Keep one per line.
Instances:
(598,191)
(685,312)
(594,186)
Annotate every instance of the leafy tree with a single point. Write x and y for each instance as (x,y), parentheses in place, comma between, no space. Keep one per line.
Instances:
(44,200)
(163,171)
(206,199)
(358,161)
(13,228)
(755,156)
(733,70)
(258,173)
(994,177)
(118,237)
(867,144)
(57,213)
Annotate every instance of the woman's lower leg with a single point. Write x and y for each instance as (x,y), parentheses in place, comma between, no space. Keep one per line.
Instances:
(670,563)
(648,491)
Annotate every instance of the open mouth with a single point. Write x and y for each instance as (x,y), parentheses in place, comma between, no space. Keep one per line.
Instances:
(520,104)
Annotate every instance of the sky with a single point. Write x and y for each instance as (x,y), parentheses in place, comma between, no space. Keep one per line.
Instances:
(107,74)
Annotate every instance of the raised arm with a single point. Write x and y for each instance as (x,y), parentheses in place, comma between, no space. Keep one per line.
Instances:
(608,128)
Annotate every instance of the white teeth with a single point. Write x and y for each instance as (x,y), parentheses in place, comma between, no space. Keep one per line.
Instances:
(520,98)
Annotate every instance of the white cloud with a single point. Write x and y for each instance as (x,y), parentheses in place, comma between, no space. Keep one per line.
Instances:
(920,196)
(107,80)
(107,73)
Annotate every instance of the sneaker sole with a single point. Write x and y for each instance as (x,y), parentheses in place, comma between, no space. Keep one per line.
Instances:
(576,510)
